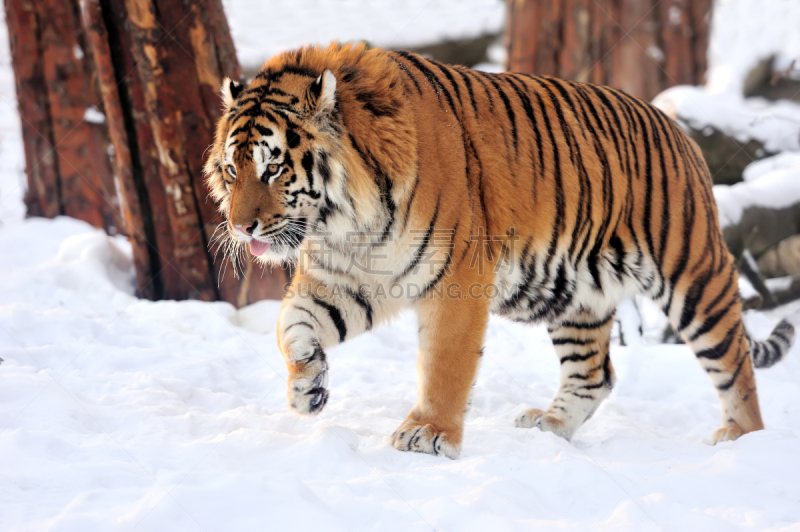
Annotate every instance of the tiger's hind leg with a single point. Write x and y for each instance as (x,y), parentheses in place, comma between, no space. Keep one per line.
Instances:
(709,318)
(587,377)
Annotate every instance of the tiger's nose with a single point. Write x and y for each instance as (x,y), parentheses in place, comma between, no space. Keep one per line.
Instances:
(249,230)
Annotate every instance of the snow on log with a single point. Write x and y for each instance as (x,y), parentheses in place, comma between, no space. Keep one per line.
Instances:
(732,131)
(759,213)
(784,289)
(775,124)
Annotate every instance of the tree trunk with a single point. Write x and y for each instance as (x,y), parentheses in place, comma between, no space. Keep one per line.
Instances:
(160,64)
(639,46)
(137,80)
(64,134)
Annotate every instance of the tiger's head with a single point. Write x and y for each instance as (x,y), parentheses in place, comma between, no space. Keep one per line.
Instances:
(311,143)
(266,168)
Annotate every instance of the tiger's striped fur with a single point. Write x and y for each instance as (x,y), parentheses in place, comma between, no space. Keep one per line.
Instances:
(558,199)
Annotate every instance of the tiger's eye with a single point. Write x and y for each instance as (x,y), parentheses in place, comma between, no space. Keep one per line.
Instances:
(272,168)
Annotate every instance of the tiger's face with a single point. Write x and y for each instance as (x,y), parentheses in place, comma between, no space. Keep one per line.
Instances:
(266,169)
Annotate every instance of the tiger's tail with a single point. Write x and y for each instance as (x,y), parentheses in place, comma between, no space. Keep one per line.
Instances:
(770,351)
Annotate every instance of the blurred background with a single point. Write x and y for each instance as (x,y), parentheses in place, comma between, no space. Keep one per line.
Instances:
(115,104)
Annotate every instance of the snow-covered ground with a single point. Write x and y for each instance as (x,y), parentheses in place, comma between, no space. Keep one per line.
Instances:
(120,414)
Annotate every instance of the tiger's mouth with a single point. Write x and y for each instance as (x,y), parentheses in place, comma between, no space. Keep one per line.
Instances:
(258,247)
(286,235)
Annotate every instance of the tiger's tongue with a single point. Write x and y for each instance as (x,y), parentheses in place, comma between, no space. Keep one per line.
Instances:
(258,247)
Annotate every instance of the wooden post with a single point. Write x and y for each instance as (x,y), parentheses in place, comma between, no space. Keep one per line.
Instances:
(640,46)
(160,64)
(64,131)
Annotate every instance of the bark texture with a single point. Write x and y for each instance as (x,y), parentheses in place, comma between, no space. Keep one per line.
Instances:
(639,46)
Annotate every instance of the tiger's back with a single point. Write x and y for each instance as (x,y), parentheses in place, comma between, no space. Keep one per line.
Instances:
(587,195)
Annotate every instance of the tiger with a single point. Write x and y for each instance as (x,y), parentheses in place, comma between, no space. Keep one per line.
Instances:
(391,181)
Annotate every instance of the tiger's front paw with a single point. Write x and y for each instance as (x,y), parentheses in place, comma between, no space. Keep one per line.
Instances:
(308,385)
(419,437)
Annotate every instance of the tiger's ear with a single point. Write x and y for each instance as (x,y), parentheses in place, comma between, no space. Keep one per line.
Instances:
(230,91)
(322,95)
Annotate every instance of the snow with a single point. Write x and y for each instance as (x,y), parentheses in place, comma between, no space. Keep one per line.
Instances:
(12,158)
(92,115)
(123,414)
(776,188)
(745,32)
(120,413)
(774,124)
(762,167)
(746,288)
(630,322)
(656,53)
(489,67)
(261,29)
(779,284)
